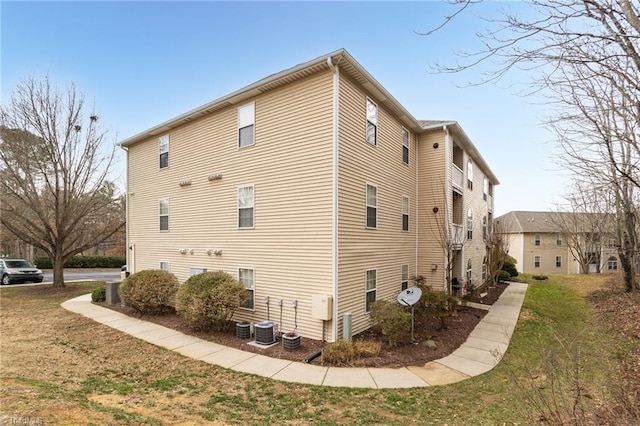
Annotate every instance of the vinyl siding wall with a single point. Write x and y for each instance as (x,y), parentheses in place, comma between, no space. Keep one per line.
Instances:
(290,167)
(386,248)
(433,187)
(547,250)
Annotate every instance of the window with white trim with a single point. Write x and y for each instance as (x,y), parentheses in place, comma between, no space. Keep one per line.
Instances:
(405,146)
(372,206)
(536,261)
(196,271)
(405,213)
(485,189)
(612,263)
(371,288)
(484,269)
(372,122)
(469,271)
(536,240)
(485,229)
(559,239)
(469,224)
(163,150)
(246,121)
(245,206)
(247,278)
(164,266)
(404,281)
(163,214)
(470,175)
(558,261)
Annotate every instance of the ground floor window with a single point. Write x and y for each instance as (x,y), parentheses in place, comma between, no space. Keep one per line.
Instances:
(405,277)
(558,261)
(536,262)
(612,263)
(247,277)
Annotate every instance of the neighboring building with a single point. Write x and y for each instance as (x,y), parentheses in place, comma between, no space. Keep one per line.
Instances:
(541,243)
(315,188)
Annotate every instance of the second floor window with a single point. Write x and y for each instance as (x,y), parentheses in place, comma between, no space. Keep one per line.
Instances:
(245,207)
(470,175)
(372,122)
(246,119)
(536,240)
(559,240)
(405,213)
(163,149)
(372,206)
(469,224)
(163,214)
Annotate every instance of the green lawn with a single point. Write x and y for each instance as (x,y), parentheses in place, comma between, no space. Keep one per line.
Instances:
(65,369)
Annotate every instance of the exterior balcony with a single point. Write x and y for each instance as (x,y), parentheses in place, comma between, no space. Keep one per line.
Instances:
(458,179)
(457,236)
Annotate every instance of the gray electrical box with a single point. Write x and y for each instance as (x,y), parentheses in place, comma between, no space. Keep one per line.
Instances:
(321,307)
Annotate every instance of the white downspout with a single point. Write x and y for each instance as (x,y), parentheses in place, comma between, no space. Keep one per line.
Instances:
(334,231)
(416,209)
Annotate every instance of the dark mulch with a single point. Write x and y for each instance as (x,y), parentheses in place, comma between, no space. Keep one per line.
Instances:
(458,328)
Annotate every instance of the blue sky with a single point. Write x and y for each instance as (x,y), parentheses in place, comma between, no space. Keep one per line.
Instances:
(141,63)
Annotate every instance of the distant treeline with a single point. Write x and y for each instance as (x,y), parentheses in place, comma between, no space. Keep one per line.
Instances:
(84,262)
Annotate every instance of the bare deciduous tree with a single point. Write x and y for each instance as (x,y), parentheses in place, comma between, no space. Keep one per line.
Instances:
(497,251)
(54,165)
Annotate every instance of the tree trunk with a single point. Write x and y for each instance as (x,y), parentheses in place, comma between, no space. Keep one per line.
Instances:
(58,271)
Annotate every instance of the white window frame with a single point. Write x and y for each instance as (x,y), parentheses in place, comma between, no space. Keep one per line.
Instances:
(251,288)
(470,175)
(371,122)
(165,266)
(250,204)
(612,263)
(404,277)
(406,208)
(246,120)
(485,189)
(469,224)
(537,261)
(405,146)
(537,240)
(485,228)
(558,261)
(163,149)
(370,206)
(368,290)
(469,271)
(484,269)
(559,239)
(195,271)
(162,214)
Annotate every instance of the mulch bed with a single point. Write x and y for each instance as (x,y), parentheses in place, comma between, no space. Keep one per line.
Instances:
(458,328)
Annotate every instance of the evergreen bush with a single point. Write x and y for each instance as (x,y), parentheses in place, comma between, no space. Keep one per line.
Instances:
(150,291)
(210,299)
(390,319)
(99,295)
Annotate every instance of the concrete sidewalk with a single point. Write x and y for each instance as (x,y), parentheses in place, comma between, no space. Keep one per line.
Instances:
(484,348)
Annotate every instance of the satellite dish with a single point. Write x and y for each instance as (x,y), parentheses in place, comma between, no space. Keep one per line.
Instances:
(410,296)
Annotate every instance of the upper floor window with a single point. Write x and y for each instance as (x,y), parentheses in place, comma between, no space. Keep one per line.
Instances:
(559,239)
(245,207)
(371,288)
(485,229)
(405,146)
(405,213)
(469,224)
(246,119)
(404,281)
(372,206)
(163,214)
(247,277)
(558,261)
(372,122)
(163,149)
(485,189)
(470,175)
(536,240)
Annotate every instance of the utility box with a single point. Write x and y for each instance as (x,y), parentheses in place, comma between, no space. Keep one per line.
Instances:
(321,307)
(112,296)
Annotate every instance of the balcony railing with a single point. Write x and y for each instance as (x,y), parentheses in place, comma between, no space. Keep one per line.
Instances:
(490,203)
(458,177)
(457,236)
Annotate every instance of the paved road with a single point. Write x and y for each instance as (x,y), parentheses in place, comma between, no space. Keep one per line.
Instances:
(85,274)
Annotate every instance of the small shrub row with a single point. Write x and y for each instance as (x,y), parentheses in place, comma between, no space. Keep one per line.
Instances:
(149,292)
(390,319)
(84,262)
(344,351)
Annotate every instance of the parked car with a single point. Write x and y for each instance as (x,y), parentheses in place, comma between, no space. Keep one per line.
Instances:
(18,271)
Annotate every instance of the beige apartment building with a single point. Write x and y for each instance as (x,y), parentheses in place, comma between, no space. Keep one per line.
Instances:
(540,245)
(316,189)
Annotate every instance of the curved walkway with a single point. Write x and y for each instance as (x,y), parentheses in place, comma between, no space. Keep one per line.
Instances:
(484,348)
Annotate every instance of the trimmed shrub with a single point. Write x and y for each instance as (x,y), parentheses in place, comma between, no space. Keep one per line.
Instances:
(510,266)
(390,319)
(504,276)
(84,262)
(99,295)
(210,299)
(150,291)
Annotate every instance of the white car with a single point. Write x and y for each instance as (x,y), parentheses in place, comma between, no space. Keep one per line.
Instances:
(18,271)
